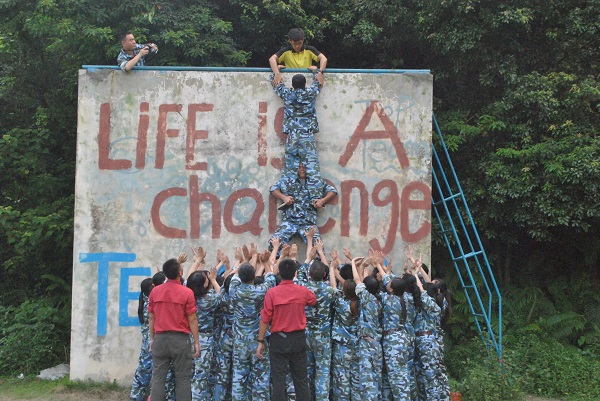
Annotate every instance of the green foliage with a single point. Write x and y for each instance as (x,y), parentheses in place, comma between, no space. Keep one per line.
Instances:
(517,97)
(549,368)
(532,364)
(488,381)
(33,337)
(31,388)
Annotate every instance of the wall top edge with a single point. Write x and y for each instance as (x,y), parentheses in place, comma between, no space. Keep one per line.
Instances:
(92,68)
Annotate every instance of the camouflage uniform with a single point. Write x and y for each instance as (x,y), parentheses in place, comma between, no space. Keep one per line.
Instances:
(370,356)
(318,335)
(224,346)
(170,383)
(206,307)
(300,215)
(386,389)
(300,124)
(398,340)
(344,356)
(143,373)
(427,350)
(250,375)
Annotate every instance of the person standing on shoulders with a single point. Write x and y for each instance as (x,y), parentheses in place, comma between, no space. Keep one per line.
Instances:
(133,54)
(172,309)
(284,311)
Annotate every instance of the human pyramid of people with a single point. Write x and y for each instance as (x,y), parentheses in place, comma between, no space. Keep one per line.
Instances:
(269,327)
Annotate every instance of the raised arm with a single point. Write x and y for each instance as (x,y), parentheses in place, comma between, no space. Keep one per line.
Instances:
(212,276)
(266,260)
(275,68)
(293,251)
(310,234)
(253,254)
(273,257)
(332,272)
(355,273)
(319,245)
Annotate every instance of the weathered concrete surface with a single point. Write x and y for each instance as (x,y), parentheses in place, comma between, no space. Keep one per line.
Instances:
(170,160)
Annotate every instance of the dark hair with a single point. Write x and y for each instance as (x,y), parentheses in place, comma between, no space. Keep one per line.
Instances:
(349,290)
(318,271)
(227,282)
(287,269)
(439,292)
(298,81)
(220,280)
(258,280)
(145,287)
(443,286)
(159,278)
(296,34)
(246,273)
(171,268)
(372,285)
(425,268)
(409,284)
(123,36)
(195,282)
(346,272)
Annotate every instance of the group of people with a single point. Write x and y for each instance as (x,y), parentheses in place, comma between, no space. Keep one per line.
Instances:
(265,326)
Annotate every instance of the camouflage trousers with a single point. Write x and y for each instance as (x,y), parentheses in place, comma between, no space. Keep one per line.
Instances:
(223,370)
(344,372)
(442,375)
(201,388)
(287,230)
(251,376)
(143,372)
(397,355)
(300,147)
(370,360)
(427,354)
(318,361)
(386,389)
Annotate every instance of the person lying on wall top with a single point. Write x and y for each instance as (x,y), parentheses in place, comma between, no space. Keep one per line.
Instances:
(133,54)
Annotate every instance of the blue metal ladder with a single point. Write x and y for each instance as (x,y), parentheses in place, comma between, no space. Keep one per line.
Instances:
(463,243)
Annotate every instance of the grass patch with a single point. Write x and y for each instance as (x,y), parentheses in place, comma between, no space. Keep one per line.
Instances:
(31,388)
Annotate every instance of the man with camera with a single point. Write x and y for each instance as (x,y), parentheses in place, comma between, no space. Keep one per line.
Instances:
(133,54)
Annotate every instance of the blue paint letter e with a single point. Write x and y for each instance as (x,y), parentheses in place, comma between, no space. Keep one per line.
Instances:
(103,260)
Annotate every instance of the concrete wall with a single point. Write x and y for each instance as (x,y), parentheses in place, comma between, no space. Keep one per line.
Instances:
(167,160)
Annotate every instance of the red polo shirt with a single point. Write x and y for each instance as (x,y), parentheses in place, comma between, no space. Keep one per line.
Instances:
(172,303)
(284,307)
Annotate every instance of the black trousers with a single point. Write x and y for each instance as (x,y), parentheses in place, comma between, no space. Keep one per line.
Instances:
(287,353)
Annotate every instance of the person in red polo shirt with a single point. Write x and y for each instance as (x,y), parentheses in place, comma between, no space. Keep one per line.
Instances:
(283,310)
(172,310)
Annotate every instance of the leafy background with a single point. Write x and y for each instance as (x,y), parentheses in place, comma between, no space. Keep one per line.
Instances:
(516,94)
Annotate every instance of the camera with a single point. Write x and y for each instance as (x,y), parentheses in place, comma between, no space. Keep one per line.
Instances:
(151,49)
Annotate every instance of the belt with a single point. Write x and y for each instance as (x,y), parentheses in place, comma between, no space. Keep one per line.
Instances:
(390,331)
(424,333)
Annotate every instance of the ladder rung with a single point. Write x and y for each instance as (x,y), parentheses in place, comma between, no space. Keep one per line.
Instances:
(468,255)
